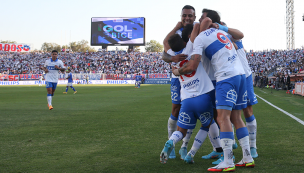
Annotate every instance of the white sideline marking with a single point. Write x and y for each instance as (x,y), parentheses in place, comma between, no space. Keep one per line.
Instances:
(293,117)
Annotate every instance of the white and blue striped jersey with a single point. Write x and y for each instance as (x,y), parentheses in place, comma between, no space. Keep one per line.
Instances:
(52,75)
(196,83)
(242,55)
(215,45)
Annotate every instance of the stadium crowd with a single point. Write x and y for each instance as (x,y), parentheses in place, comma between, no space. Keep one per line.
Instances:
(95,62)
(280,62)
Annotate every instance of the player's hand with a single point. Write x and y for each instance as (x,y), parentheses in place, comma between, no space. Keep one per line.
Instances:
(178,58)
(56,67)
(46,70)
(178,25)
(214,25)
(175,71)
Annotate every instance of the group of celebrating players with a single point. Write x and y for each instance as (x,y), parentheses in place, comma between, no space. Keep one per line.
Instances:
(211,82)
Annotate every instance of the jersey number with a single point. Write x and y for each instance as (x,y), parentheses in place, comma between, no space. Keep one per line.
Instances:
(187,75)
(226,40)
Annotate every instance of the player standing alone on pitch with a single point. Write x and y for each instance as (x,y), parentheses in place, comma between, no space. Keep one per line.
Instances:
(70,82)
(40,80)
(51,68)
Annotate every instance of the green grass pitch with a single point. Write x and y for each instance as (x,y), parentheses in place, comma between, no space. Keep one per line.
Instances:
(110,128)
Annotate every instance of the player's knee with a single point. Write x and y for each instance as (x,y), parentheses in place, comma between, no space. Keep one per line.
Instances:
(248,111)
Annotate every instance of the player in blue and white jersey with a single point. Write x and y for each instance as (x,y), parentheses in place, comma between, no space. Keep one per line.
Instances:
(174,56)
(138,80)
(251,99)
(196,101)
(51,68)
(70,82)
(40,80)
(230,91)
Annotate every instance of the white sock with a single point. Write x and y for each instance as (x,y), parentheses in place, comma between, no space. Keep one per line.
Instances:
(244,143)
(49,99)
(233,132)
(226,144)
(176,136)
(198,141)
(252,130)
(214,136)
(171,126)
(187,138)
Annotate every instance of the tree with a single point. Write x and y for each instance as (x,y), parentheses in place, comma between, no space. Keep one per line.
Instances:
(136,48)
(81,46)
(154,46)
(7,41)
(50,46)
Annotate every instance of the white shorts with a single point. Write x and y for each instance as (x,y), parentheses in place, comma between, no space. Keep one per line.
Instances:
(70,84)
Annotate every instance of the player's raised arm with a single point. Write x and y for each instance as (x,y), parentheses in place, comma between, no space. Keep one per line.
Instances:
(166,56)
(236,34)
(205,24)
(188,67)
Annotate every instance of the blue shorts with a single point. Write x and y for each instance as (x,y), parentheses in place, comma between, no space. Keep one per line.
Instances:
(251,98)
(199,107)
(175,91)
(50,85)
(231,93)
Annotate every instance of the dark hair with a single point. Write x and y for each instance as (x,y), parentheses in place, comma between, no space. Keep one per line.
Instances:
(176,43)
(186,32)
(54,51)
(188,7)
(213,15)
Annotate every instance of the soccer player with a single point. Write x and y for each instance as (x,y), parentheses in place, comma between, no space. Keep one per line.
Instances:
(87,79)
(84,79)
(187,17)
(230,92)
(70,82)
(40,80)
(51,68)
(196,101)
(138,80)
(251,99)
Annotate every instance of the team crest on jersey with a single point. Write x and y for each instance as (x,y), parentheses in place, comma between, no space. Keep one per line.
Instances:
(184,117)
(174,88)
(232,95)
(205,117)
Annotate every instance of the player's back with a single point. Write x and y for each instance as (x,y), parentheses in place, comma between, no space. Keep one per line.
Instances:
(215,45)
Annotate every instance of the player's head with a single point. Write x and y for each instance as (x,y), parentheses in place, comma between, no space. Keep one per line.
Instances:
(176,43)
(54,54)
(213,15)
(186,33)
(188,15)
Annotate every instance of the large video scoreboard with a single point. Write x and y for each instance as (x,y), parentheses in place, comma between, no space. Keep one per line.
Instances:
(118,31)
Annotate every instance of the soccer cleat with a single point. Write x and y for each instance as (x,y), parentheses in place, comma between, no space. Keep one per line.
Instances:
(222,167)
(235,145)
(64,92)
(167,149)
(213,155)
(254,153)
(183,152)
(75,92)
(189,159)
(245,164)
(50,107)
(220,160)
(172,154)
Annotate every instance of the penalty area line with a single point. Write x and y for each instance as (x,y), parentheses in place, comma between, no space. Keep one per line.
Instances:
(290,115)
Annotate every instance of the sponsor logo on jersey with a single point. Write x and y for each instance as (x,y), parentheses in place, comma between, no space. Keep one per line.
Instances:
(232,58)
(174,88)
(191,83)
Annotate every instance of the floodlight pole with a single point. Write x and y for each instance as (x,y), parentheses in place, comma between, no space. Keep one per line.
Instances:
(289,25)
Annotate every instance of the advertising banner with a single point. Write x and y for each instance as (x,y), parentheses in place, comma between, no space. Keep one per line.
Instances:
(15,47)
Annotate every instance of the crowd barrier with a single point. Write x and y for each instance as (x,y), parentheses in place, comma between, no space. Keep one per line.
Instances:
(299,88)
(158,81)
(80,76)
(65,82)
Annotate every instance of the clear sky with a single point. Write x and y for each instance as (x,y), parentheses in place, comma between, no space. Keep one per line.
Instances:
(63,21)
